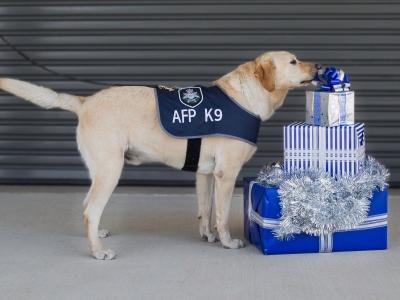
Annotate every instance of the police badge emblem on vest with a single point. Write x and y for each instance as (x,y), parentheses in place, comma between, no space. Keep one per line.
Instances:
(191,96)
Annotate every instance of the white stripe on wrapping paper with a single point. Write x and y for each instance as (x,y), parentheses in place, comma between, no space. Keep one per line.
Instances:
(346,147)
(322,153)
(337,150)
(326,240)
(315,151)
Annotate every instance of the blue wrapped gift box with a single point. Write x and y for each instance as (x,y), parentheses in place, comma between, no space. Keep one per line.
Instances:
(262,212)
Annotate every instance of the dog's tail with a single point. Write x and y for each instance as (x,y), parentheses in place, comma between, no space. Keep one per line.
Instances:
(40,95)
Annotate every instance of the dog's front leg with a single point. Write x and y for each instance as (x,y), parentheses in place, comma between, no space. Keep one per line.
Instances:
(224,184)
(204,188)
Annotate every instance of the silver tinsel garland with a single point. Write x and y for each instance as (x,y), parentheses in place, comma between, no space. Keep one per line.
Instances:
(316,203)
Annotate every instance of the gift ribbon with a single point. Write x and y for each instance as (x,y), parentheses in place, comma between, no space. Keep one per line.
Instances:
(326,240)
(376,221)
(317,108)
(342,109)
(332,79)
(328,120)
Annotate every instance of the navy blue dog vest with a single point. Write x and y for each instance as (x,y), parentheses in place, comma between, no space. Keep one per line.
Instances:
(197,112)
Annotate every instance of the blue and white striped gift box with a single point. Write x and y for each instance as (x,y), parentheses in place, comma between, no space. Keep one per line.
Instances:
(337,150)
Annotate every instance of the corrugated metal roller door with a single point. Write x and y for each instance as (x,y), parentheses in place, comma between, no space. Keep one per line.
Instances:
(177,43)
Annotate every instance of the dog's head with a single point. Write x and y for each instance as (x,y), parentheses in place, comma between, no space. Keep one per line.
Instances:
(283,71)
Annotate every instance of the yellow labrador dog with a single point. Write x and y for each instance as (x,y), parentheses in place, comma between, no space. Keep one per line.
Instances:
(121,123)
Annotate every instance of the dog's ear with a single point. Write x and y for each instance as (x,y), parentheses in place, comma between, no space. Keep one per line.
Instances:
(265,73)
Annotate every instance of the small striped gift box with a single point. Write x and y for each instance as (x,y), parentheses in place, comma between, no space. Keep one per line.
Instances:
(337,150)
(329,109)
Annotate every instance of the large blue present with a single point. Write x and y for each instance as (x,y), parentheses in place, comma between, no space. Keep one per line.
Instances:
(336,150)
(262,213)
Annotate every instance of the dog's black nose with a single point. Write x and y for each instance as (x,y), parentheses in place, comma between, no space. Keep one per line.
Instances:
(318,66)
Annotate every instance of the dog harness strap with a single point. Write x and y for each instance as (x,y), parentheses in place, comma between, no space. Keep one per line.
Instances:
(192,155)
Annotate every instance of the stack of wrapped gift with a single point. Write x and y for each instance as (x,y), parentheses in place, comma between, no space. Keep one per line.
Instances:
(328,196)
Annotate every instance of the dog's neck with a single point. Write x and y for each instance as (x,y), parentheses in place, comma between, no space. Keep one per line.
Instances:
(244,87)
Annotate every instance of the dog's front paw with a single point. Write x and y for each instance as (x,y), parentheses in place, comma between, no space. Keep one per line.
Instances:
(103,233)
(210,237)
(233,244)
(104,254)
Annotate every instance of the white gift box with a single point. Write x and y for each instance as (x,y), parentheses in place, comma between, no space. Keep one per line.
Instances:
(329,109)
(337,150)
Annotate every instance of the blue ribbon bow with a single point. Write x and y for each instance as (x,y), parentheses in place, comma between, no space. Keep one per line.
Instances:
(332,79)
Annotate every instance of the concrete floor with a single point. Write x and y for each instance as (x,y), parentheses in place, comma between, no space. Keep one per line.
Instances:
(45,254)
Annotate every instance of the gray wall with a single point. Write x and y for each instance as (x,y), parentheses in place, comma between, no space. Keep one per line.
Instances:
(184,43)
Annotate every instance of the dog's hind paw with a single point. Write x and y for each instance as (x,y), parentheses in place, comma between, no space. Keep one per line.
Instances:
(105,254)
(103,233)
(233,244)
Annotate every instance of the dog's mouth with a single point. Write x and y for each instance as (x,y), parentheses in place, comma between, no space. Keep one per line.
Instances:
(306,81)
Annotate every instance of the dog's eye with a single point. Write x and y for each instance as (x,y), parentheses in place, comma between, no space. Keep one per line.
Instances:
(293,61)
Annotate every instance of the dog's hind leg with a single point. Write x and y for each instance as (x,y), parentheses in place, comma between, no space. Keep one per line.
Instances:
(87,199)
(204,188)
(103,233)
(105,171)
